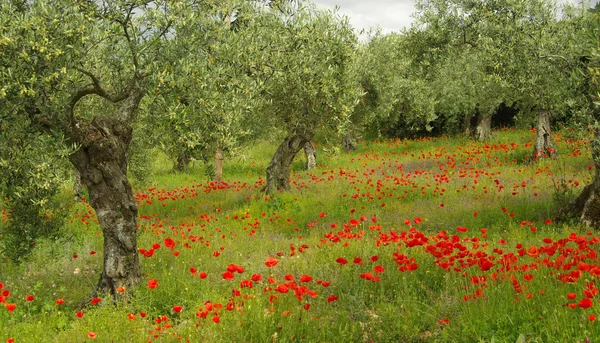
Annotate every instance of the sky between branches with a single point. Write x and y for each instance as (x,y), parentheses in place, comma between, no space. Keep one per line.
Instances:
(390,15)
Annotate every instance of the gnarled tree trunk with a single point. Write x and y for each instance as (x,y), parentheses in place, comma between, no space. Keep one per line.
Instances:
(311,155)
(102,162)
(348,143)
(483,131)
(278,171)
(218,176)
(543,143)
(586,207)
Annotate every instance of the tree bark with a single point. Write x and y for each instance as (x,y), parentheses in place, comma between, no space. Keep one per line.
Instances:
(78,187)
(348,143)
(483,131)
(218,177)
(586,207)
(467,124)
(311,155)
(278,171)
(102,163)
(544,147)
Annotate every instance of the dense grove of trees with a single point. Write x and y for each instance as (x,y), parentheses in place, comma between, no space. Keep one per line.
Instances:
(95,83)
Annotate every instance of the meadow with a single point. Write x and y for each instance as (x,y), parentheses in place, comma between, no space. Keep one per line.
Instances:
(426,240)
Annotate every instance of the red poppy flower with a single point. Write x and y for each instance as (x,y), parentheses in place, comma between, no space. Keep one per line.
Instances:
(193,270)
(228,275)
(131,316)
(96,301)
(216,319)
(306,278)
(60,301)
(322,214)
(121,289)
(586,303)
(79,314)
(358,260)
(571,296)
(306,306)
(332,298)
(378,269)
(288,277)
(203,275)
(256,277)
(374,258)
(592,317)
(29,298)
(152,283)
(177,308)
(169,243)
(462,229)
(341,261)
(271,261)
(92,335)
(10,307)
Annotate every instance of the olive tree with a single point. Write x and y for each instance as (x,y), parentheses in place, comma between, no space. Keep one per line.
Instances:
(62,61)
(308,83)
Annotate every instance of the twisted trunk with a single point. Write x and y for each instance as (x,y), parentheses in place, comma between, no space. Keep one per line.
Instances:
(102,163)
(311,155)
(544,147)
(278,171)
(218,176)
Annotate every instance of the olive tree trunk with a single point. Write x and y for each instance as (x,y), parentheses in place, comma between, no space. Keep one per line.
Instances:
(483,131)
(102,163)
(348,143)
(586,207)
(78,187)
(311,155)
(278,171)
(218,176)
(544,147)
(466,125)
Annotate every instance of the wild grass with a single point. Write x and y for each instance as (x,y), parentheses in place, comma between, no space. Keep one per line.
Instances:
(392,204)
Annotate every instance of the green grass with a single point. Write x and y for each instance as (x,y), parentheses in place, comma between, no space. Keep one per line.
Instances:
(397,200)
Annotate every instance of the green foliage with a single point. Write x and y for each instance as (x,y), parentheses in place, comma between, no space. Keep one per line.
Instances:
(30,183)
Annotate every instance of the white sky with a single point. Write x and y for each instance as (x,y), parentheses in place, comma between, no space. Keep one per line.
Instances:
(390,15)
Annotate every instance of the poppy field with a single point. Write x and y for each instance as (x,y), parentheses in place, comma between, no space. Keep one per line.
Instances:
(426,240)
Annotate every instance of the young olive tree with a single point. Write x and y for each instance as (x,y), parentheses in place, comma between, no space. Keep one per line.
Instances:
(209,90)
(308,81)
(63,59)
